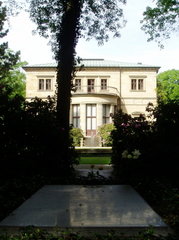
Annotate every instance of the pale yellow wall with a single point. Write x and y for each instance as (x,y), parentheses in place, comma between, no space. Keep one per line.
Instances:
(136,101)
(131,101)
(149,83)
(32,77)
(111,74)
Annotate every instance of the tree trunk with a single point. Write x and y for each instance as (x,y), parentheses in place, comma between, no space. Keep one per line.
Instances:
(67,39)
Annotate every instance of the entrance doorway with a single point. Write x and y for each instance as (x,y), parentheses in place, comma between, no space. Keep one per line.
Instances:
(91,119)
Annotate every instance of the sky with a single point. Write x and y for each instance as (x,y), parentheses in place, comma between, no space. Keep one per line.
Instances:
(131,47)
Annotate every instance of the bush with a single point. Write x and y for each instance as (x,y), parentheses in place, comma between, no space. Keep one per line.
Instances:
(167,137)
(105,133)
(130,144)
(31,141)
(142,147)
(76,135)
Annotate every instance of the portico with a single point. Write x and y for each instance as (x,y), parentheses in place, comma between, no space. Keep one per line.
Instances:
(90,112)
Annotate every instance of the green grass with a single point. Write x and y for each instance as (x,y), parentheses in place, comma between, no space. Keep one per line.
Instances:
(95,160)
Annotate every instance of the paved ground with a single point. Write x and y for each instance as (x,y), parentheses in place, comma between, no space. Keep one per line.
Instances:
(89,208)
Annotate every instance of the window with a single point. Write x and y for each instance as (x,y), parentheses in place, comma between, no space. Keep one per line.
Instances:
(90,85)
(137,84)
(133,84)
(76,115)
(103,84)
(91,119)
(140,84)
(106,113)
(45,84)
(78,84)
(41,84)
(48,84)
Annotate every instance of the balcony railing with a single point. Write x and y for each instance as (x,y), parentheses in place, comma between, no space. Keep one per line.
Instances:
(91,89)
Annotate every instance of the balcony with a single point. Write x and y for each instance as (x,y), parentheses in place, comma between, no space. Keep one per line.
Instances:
(91,89)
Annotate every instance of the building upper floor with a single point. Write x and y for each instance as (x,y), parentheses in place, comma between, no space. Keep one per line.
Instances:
(95,77)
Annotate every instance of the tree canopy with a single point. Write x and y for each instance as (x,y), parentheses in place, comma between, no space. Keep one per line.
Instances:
(160,21)
(8,58)
(96,18)
(168,86)
(14,82)
(11,78)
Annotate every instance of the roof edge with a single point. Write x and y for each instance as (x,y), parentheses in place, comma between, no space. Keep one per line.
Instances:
(96,63)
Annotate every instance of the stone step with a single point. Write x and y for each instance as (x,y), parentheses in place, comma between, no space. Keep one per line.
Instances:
(94,150)
(93,141)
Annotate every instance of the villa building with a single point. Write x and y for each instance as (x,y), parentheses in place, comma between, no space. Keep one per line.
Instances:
(101,88)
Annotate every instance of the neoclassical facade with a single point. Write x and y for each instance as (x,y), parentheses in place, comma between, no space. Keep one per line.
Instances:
(101,87)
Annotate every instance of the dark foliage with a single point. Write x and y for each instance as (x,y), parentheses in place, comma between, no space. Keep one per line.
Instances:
(165,147)
(32,233)
(162,194)
(153,169)
(142,147)
(30,138)
(130,141)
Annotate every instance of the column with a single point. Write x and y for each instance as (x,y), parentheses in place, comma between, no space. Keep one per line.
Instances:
(98,84)
(85,85)
(111,111)
(83,117)
(71,121)
(99,114)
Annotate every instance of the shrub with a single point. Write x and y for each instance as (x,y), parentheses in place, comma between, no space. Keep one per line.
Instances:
(143,147)
(131,143)
(167,137)
(31,139)
(105,133)
(76,135)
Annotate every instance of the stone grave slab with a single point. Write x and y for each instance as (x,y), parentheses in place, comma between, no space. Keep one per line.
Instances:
(96,208)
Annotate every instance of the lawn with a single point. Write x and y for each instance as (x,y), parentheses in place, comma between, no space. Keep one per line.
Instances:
(95,160)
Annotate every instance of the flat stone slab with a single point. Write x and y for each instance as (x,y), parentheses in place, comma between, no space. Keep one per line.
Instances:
(89,207)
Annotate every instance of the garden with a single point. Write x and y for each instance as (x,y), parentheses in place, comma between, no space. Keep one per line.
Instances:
(144,155)
(144,150)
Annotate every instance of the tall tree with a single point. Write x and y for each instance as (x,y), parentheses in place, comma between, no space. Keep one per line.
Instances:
(11,78)
(168,86)
(65,21)
(8,58)
(160,21)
